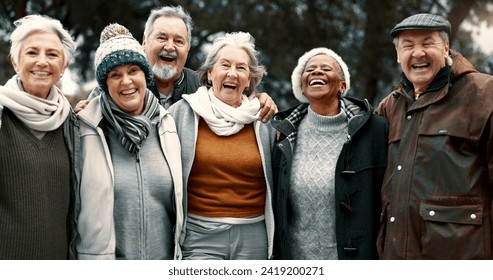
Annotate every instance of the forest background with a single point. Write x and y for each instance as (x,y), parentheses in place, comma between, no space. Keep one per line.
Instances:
(358,30)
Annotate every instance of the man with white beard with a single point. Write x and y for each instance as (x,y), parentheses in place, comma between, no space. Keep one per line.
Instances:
(167,38)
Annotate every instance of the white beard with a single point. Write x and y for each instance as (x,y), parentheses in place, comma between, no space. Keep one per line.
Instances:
(165,73)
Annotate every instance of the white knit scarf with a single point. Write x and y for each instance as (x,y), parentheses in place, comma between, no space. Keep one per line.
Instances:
(222,118)
(36,113)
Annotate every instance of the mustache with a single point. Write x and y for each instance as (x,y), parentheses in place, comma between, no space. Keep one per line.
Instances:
(167,53)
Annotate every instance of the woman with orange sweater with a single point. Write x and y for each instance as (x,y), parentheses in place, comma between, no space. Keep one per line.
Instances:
(226,155)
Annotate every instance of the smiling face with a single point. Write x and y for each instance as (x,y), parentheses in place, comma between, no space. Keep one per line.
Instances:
(41,63)
(127,88)
(422,54)
(167,47)
(321,81)
(230,75)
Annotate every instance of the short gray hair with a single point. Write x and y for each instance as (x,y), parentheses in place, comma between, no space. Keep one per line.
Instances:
(169,11)
(39,23)
(241,40)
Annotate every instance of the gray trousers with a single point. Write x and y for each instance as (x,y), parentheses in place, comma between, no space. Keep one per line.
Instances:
(219,241)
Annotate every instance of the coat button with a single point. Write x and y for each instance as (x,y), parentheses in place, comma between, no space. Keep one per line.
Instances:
(473,216)
(432,213)
(399,167)
(280,145)
(409,117)
(392,219)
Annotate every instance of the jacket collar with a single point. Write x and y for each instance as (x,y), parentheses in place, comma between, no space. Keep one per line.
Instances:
(92,113)
(440,80)
(287,122)
(460,67)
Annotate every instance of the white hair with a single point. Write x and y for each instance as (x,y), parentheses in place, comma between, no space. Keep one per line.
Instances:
(241,40)
(37,23)
(169,11)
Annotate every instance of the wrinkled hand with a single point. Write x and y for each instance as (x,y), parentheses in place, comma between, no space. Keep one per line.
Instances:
(81,105)
(267,106)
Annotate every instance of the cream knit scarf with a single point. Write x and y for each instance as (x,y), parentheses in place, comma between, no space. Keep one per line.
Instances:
(223,119)
(36,113)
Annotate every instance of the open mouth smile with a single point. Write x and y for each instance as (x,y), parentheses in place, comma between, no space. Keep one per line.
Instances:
(317,82)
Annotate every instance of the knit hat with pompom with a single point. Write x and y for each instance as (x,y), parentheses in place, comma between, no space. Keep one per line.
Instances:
(118,47)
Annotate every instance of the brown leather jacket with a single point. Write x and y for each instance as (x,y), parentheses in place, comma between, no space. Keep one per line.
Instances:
(438,186)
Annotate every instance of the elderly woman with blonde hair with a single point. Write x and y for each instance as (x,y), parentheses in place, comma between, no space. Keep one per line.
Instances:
(37,144)
(226,157)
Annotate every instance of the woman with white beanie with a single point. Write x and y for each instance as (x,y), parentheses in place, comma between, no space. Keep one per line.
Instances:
(131,182)
(328,164)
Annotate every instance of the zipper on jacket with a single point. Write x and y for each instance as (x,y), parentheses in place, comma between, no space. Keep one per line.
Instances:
(143,229)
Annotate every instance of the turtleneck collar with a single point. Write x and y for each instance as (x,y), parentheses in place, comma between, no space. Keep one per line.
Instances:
(326,123)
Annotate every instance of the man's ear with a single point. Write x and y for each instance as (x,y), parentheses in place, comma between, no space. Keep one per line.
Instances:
(143,41)
(447,50)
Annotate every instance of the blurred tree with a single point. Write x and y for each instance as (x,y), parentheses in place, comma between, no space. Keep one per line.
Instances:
(358,30)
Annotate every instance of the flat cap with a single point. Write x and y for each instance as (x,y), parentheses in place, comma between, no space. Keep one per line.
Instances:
(422,22)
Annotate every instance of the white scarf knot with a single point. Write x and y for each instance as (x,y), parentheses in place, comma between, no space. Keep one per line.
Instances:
(222,118)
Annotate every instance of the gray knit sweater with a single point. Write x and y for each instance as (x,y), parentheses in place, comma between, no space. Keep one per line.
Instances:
(320,141)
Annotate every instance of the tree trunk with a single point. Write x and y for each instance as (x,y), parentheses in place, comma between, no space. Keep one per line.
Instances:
(21,9)
(459,11)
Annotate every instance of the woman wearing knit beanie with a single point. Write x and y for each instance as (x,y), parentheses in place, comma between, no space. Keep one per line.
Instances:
(131,179)
(226,157)
(328,165)
(37,144)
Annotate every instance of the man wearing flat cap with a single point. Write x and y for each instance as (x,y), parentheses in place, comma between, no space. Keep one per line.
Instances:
(438,185)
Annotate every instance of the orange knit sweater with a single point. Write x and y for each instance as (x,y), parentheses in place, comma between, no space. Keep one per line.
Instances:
(227,179)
